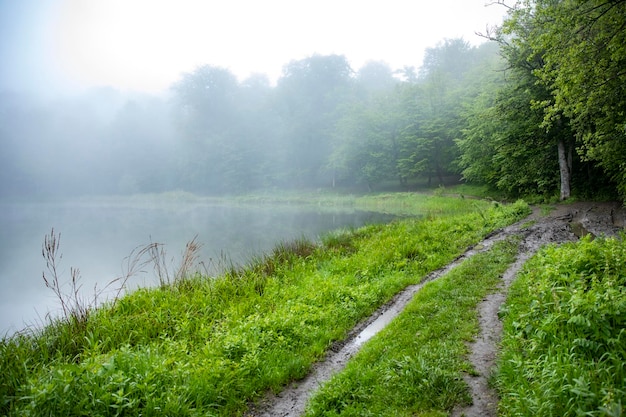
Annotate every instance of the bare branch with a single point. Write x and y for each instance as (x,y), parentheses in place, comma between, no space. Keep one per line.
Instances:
(491,34)
(500,3)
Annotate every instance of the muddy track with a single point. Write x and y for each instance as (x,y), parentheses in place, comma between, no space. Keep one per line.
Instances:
(564,224)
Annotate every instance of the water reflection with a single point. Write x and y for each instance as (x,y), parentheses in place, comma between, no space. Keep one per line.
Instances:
(96,238)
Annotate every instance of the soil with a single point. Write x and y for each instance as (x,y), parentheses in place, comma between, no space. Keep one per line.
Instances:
(564,223)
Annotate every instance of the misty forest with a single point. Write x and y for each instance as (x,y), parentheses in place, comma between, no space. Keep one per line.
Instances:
(456,297)
(539,110)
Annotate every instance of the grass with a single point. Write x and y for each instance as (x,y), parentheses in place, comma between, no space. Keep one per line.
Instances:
(398,203)
(415,365)
(564,345)
(209,346)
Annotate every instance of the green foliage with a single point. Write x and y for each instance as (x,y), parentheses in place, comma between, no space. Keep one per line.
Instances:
(368,138)
(583,44)
(410,131)
(564,346)
(565,85)
(211,345)
(505,144)
(309,95)
(569,57)
(413,366)
(325,125)
(228,130)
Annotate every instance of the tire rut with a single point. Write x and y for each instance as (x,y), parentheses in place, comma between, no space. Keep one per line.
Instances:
(535,231)
(566,224)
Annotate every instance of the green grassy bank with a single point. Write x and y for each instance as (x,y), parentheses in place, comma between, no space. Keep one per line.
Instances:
(208,346)
(414,367)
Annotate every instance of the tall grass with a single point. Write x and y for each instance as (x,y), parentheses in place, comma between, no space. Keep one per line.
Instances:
(76,307)
(564,346)
(212,344)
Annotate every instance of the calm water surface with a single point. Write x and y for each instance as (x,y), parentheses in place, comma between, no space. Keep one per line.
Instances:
(95,238)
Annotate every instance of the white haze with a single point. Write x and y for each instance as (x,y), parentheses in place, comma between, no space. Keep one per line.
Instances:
(56,46)
(82,115)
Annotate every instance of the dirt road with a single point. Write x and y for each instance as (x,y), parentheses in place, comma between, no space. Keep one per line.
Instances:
(566,222)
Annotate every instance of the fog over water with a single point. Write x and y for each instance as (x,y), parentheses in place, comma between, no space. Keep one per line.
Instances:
(196,98)
(96,239)
(116,97)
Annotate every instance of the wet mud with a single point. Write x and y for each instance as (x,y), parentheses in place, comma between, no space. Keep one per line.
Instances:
(563,224)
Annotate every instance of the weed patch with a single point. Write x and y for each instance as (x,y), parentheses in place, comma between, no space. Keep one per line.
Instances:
(564,345)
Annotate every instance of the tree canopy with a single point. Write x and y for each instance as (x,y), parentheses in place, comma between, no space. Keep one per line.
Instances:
(541,110)
(564,96)
(583,45)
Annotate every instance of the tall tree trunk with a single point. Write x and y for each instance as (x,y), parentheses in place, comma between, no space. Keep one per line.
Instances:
(565,169)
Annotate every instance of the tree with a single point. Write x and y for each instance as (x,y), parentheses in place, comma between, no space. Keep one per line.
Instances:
(411,130)
(375,76)
(139,147)
(525,140)
(206,112)
(206,100)
(437,109)
(526,61)
(260,130)
(478,142)
(309,95)
(583,47)
(504,144)
(369,138)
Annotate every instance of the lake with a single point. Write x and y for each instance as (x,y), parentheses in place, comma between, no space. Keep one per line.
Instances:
(96,237)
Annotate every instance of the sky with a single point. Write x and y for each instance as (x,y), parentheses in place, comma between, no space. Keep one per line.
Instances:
(51,46)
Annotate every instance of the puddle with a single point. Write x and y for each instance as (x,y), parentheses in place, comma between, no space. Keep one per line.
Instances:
(580,231)
(375,327)
(292,401)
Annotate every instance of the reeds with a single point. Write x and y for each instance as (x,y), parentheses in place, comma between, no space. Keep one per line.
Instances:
(75,305)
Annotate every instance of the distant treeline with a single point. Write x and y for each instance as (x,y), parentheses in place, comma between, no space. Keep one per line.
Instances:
(540,110)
